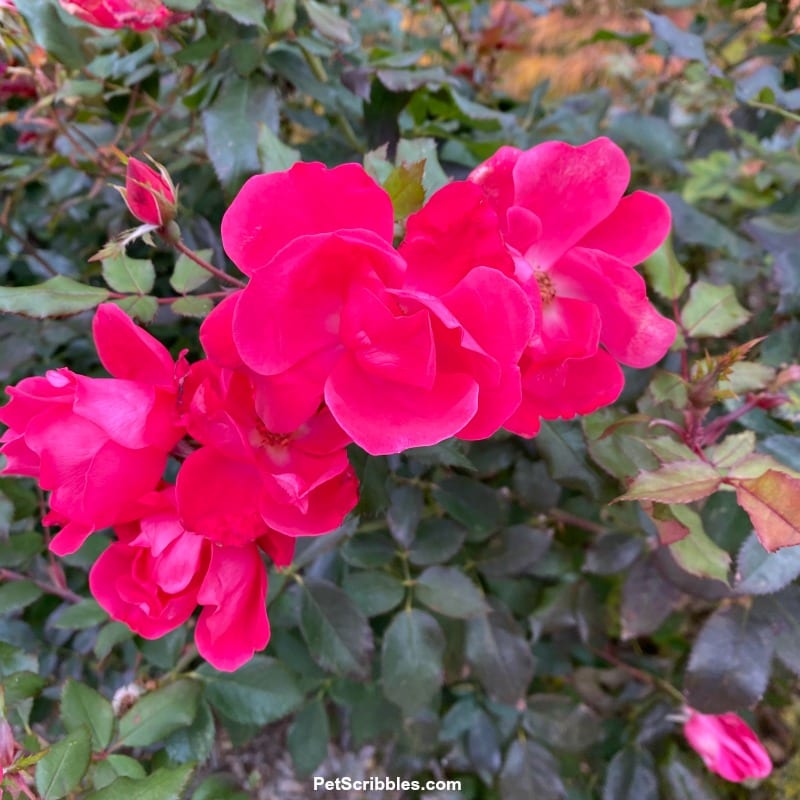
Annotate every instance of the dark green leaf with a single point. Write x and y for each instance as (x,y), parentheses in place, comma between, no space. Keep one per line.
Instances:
(107,770)
(326,19)
(561,722)
(374,592)
(647,599)
(760,572)
(405,512)
(195,742)
(219,787)
(500,656)
(20,548)
(472,503)
(57,297)
(730,662)
(258,693)
(159,713)
(48,29)
(64,764)
(82,706)
(85,614)
(514,551)
(16,595)
(307,739)
(163,784)
(248,12)
(530,771)
(684,783)
(231,125)
(448,591)
(612,552)
(21,685)
(631,776)
(564,449)
(437,541)
(411,660)
(338,635)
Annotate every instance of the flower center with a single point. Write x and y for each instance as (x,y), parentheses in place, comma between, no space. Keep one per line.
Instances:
(269,439)
(546,288)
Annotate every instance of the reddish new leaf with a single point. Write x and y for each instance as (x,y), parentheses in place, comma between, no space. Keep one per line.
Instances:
(676,482)
(772,501)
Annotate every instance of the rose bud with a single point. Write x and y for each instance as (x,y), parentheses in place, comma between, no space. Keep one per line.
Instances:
(727,745)
(149,194)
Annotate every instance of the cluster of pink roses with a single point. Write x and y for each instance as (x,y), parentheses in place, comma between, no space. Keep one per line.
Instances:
(511,298)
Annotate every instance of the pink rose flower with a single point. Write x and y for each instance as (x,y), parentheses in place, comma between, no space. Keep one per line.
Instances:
(400,359)
(247,478)
(139,15)
(149,195)
(575,239)
(97,444)
(727,745)
(158,572)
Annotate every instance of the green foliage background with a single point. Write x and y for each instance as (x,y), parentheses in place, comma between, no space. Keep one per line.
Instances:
(489,614)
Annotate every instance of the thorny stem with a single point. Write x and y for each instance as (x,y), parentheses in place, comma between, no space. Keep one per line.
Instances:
(641,675)
(48,588)
(566,518)
(462,38)
(201,262)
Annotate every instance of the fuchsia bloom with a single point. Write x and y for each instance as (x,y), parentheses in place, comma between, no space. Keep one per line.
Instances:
(727,745)
(149,195)
(575,239)
(139,15)
(158,572)
(97,444)
(401,358)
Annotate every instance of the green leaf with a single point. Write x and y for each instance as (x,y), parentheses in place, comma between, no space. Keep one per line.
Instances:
(187,275)
(64,764)
(163,784)
(731,449)
(195,742)
(761,572)
(82,706)
(564,449)
(248,12)
(109,636)
(771,501)
(530,771)
(219,787)
(49,30)
(20,548)
(682,44)
(500,656)
(338,635)
(404,186)
(561,722)
(107,770)
(164,651)
(157,714)
(199,307)
(411,660)
(472,503)
(85,614)
(374,592)
(631,776)
(648,598)
(328,22)
(676,482)
(21,685)
(16,595)
(142,308)
(273,154)
(683,783)
(730,661)
(405,512)
(258,693)
(665,273)
(308,736)
(129,275)
(57,297)
(612,552)
(410,151)
(712,310)
(436,541)
(448,591)
(514,551)
(667,449)
(696,553)
(231,125)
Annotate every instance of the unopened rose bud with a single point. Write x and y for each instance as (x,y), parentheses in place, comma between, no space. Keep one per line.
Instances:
(149,194)
(727,745)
